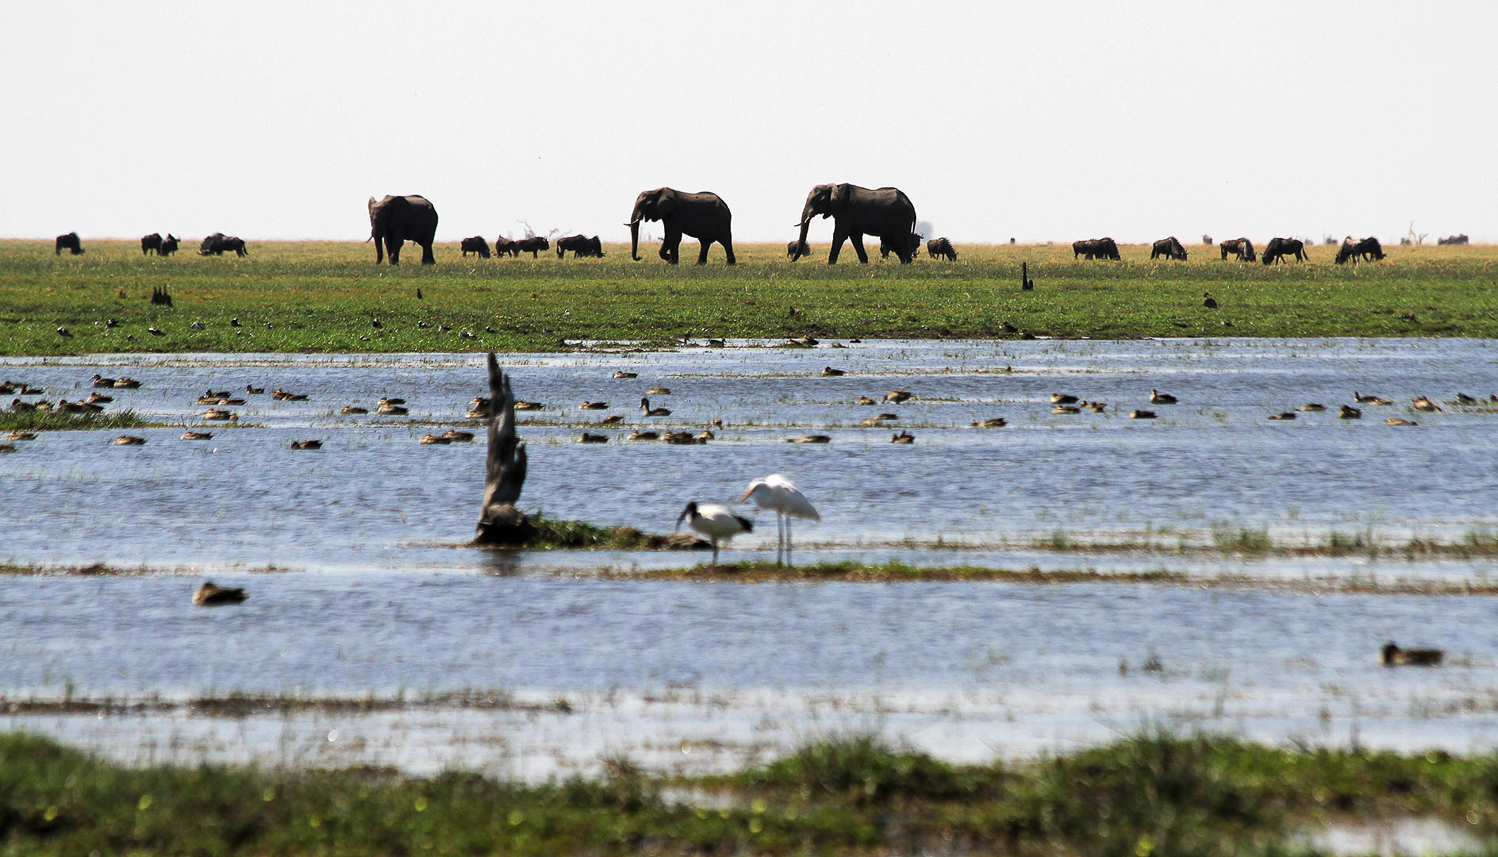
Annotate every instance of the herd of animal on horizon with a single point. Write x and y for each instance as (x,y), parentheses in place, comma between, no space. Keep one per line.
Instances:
(885,213)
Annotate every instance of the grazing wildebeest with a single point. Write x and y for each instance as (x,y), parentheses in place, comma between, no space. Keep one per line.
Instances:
(1453,239)
(1365,250)
(1170,248)
(1095,248)
(68,242)
(218,244)
(168,245)
(941,248)
(505,246)
(796,252)
(150,244)
(1239,247)
(887,246)
(476,244)
(531,244)
(1279,248)
(582,247)
(594,248)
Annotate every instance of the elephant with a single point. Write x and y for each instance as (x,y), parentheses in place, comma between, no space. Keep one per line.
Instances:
(1170,248)
(1240,247)
(886,248)
(1095,248)
(531,244)
(505,246)
(168,245)
(395,220)
(857,211)
(582,247)
(150,244)
(1452,239)
(797,249)
(218,244)
(941,248)
(1279,248)
(68,242)
(1359,251)
(476,244)
(703,216)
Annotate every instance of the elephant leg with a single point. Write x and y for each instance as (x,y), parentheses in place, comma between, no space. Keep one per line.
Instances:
(838,237)
(702,252)
(856,239)
(671,247)
(426,254)
(727,243)
(393,250)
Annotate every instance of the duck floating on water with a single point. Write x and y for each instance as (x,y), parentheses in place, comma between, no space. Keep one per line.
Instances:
(1393,656)
(213,595)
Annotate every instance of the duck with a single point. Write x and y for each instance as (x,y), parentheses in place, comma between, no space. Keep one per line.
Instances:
(680,438)
(128,440)
(1286,415)
(717,343)
(829,372)
(254,391)
(1159,398)
(715,422)
(1393,656)
(705,435)
(21,435)
(658,391)
(8,447)
(1208,301)
(1399,421)
(653,412)
(593,406)
(865,400)
(1425,404)
(197,435)
(1312,407)
(98,398)
(898,396)
(212,595)
(1464,399)
(294,397)
(811,438)
(391,400)
(1141,415)
(64,406)
(126,384)
(437,439)
(992,422)
(1370,400)
(218,414)
(1348,412)
(458,436)
(101,381)
(306,444)
(611,420)
(393,410)
(902,437)
(642,435)
(529,406)
(1066,409)
(210,398)
(353,409)
(620,373)
(593,438)
(1097,407)
(1063,399)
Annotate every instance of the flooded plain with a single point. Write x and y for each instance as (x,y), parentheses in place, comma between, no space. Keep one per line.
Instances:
(531,664)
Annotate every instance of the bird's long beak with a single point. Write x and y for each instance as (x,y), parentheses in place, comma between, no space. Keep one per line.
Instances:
(745,496)
(682,517)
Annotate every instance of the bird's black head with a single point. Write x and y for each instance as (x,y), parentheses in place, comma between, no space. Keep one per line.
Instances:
(689,511)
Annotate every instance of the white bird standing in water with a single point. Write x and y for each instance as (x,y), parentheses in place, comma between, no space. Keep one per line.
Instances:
(779,493)
(714,520)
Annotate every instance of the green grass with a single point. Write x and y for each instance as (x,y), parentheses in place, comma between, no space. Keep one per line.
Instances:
(58,421)
(1151,794)
(322,297)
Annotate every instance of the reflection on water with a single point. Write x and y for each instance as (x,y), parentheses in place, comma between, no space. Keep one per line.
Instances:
(375,592)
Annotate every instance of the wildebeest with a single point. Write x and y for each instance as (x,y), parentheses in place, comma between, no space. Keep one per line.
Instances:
(1240,247)
(531,244)
(476,244)
(1453,239)
(218,244)
(1365,250)
(1095,248)
(150,244)
(941,248)
(168,245)
(505,247)
(887,246)
(1170,248)
(68,242)
(582,247)
(1279,248)
(791,249)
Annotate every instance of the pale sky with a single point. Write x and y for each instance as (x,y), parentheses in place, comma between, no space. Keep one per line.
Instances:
(1035,120)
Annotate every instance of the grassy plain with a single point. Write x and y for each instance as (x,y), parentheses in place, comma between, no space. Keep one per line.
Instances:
(1148,794)
(324,297)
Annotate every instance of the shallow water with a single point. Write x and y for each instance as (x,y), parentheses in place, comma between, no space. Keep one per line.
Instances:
(375,593)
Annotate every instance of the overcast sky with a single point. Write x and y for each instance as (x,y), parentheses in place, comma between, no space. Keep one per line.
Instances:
(1036,120)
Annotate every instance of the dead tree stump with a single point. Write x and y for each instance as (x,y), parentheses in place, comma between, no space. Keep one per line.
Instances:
(500,523)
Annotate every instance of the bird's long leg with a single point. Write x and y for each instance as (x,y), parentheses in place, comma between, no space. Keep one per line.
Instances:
(788,541)
(715,551)
(779,535)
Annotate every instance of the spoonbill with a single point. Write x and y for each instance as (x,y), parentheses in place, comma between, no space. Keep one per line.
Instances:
(781,494)
(715,521)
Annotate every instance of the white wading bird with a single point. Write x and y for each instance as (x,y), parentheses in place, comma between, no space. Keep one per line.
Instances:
(779,493)
(715,521)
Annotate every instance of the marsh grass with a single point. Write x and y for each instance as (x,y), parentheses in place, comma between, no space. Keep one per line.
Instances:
(1150,793)
(11,420)
(323,297)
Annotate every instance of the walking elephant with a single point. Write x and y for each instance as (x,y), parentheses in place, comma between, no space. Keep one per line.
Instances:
(395,220)
(68,242)
(857,211)
(703,216)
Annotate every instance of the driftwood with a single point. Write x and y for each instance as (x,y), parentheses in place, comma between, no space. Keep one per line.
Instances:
(500,523)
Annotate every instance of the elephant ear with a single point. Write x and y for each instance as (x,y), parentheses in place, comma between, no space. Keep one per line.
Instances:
(372,205)
(841,195)
(666,203)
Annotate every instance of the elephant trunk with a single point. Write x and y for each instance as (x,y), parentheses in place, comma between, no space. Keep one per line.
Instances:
(634,239)
(801,242)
